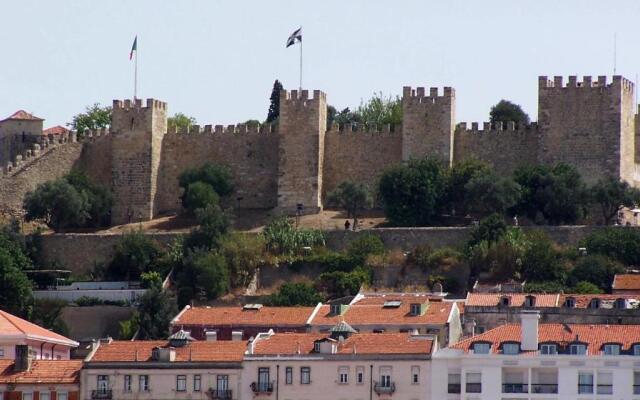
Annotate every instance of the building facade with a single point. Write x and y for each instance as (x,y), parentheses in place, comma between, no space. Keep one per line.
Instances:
(40,379)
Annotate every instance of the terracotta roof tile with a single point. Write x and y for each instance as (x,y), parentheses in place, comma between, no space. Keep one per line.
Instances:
(42,371)
(56,130)
(626,282)
(265,316)
(10,325)
(127,351)
(22,115)
(583,300)
(593,335)
(516,299)
(361,343)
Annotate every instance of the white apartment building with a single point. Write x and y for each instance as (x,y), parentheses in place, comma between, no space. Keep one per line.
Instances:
(541,361)
(340,365)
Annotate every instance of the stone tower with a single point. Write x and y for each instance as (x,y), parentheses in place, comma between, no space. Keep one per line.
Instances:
(301,128)
(588,124)
(428,123)
(137,133)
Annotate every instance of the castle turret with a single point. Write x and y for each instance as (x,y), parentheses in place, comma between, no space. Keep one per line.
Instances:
(428,122)
(136,145)
(301,126)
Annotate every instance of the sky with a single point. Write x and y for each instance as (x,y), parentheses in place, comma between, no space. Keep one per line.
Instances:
(216,60)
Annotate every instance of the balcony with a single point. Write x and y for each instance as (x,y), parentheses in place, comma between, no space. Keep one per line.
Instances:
(515,388)
(473,387)
(585,388)
(454,388)
(220,394)
(102,394)
(605,389)
(262,387)
(388,388)
(544,388)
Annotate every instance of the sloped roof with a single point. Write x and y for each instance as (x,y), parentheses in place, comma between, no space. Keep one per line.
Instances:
(626,282)
(374,313)
(265,316)
(22,115)
(42,371)
(12,327)
(56,130)
(361,343)
(198,351)
(516,299)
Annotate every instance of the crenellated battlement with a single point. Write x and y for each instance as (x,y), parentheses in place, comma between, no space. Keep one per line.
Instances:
(588,82)
(496,127)
(136,104)
(239,129)
(372,129)
(301,97)
(420,96)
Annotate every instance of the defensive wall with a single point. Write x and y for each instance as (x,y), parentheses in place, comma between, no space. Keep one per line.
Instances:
(590,124)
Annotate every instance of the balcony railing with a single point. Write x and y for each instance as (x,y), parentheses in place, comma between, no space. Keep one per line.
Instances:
(584,388)
(454,388)
(220,394)
(473,387)
(605,389)
(515,388)
(102,394)
(636,389)
(381,388)
(262,387)
(544,388)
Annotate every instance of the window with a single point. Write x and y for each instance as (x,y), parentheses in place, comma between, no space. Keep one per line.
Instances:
(415,309)
(453,381)
(548,349)
(103,383)
(505,301)
(385,378)
(335,309)
(197,383)
(264,380)
(621,303)
(59,396)
(605,383)
(570,302)
(288,375)
(474,382)
(27,396)
(594,303)
(181,383)
(44,396)
(359,375)
(222,383)
(305,375)
(578,349)
(127,383)
(611,349)
(316,347)
(343,375)
(510,348)
(1,352)
(636,349)
(415,375)
(481,348)
(530,301)
(585,382)
(143,383)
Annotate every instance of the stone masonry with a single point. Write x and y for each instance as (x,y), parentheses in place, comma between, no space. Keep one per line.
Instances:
(591,124)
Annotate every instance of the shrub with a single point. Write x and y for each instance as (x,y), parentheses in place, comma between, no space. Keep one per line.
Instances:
(217,176)
(340,284)
(544,287)
(541,260)
(281,237)
(243,254)
(490,229)
(135,253)
(365,245)
(596,269)
(199,195)
(214,224)
(621,244)
(459,175)
(351,197)
(203,275)
(295,294)
(584,287)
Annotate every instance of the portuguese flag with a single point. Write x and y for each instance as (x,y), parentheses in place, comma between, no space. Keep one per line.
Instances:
(134,48)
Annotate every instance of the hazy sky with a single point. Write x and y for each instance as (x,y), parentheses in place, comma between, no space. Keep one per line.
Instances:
(217,60)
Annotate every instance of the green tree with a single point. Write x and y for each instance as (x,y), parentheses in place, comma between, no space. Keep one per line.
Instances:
(611,194)
(216,176)
(151,279)
(596,269)
(135,253)
(506,111)
(154,313)
(619,243)
(459,176)
(15,244)
(584,287)
(243,254)
(364,246)
(342,118)
(100,198)
(274,106)
(199,195)
(489,229)
(340,283)
(489,193)
(203,275)
(544,287)
(412,193)
(351,197)
(541,261)
(213,225)
(15,287)
(180,122)
(380,110)
(295,294)
(58,204)
(94,117)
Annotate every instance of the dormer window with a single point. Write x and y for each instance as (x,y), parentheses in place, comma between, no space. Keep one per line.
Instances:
(577,349)
(635,350)
(548,349)
(594,303)
(316,347)
(611,349)
(570,302)
(621,304)
(481,348)
(530,301)
(335,309)
(505,301)
(510,348)
(415,309)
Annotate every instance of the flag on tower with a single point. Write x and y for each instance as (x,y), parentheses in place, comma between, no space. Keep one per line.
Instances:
(295,36)
(134,48)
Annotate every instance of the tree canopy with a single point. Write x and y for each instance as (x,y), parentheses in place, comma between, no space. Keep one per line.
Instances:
(180,121)
(274,105)
(506,111)
(611,194)
(94,117)
(351,197)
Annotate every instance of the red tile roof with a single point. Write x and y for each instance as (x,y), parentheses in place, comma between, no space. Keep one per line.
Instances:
(371,313)
(55,130)
(583,300)
(199,351)
(22,115)
(265,316)
(14,327)
(626,282)
(593,335)
(361,343)
(516,299)
(42,371)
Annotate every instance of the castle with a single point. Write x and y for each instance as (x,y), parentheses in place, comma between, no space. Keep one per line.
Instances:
(590,124)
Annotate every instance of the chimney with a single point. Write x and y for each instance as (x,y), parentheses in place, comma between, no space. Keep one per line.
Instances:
(529,326)
(23,358)
(469,327)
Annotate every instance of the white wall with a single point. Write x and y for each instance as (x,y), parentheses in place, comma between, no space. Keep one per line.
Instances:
(104,294)
(40,352)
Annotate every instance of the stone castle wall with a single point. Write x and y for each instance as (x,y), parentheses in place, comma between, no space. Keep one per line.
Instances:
(355,154)
(502,145)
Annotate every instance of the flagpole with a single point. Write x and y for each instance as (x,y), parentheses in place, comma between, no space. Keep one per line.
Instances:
(135,74)
(300,65)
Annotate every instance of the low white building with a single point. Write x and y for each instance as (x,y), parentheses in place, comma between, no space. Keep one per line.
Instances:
(541,361)
(340,365)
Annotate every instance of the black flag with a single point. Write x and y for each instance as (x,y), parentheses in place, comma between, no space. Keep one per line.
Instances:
(295,36)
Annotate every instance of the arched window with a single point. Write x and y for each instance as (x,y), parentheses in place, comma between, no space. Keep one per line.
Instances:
(505,301)
(570,302)
(594,303)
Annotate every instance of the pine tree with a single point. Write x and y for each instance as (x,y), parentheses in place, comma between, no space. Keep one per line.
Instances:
(274,107)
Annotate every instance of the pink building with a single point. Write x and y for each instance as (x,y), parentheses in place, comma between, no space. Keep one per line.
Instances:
(42,344)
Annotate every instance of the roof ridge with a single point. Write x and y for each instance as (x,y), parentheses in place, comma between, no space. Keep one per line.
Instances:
(4,313)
